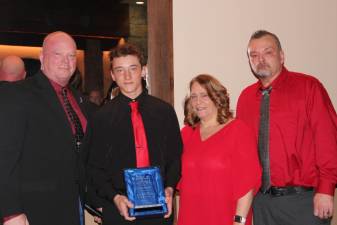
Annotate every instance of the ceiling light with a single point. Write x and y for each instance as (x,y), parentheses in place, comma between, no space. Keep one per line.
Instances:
(140,2)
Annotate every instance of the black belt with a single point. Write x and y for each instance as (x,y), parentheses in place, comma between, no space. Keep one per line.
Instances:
(288,190)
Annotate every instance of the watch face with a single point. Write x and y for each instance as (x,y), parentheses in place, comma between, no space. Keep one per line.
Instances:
(239,219)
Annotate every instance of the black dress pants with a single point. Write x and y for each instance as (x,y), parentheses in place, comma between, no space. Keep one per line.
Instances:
(294,209)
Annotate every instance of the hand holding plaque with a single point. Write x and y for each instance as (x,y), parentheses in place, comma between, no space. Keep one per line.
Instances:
(145,190)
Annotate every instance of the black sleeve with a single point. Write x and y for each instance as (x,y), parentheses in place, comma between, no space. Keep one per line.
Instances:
(12,132)
(99,187)
(173,150)
(92,197)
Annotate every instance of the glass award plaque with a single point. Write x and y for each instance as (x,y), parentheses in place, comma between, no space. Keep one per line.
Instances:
(144,187)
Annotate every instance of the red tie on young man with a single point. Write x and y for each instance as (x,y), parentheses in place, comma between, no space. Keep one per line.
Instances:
(142,152)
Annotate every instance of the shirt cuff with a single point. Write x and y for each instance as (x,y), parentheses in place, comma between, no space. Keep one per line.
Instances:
(5,219)
(326,187)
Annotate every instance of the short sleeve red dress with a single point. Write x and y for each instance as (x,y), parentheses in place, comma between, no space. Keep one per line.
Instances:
(216,172)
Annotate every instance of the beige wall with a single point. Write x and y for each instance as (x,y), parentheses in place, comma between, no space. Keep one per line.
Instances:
(211,37)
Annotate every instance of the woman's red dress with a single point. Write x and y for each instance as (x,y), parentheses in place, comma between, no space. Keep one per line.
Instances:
(216,172)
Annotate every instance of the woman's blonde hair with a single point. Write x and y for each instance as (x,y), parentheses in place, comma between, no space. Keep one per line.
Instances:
(218,95)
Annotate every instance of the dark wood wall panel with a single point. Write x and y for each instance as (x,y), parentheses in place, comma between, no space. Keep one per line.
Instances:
(160,49)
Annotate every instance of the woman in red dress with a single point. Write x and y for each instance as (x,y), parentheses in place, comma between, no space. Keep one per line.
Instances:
(220,166)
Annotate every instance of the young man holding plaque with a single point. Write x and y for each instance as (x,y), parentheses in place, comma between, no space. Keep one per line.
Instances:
(134,130)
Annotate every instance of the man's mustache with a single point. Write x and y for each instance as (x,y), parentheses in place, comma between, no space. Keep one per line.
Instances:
(262,66)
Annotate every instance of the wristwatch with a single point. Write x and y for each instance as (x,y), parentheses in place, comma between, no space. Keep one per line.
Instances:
(239,219)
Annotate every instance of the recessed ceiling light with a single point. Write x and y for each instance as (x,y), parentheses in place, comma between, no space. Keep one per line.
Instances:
(140,3)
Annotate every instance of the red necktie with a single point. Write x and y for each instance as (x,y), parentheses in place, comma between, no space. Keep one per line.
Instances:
(142,153)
